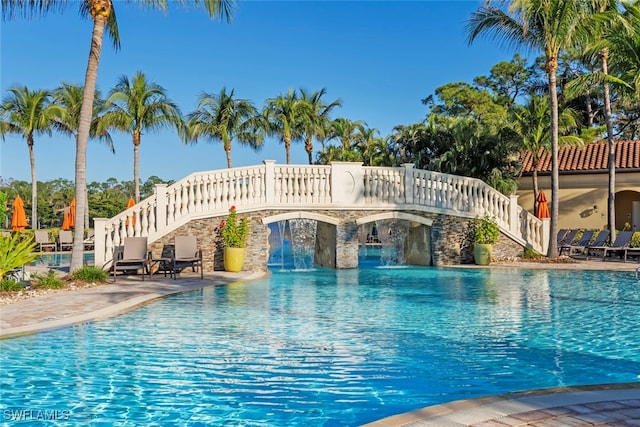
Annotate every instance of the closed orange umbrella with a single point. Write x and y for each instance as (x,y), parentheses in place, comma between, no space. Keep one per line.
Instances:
(66,220)
(72,213)
(19,217)
(130,204)
(543,207)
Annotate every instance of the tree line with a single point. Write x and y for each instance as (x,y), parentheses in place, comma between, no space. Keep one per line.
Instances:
(106,199)
(585,86)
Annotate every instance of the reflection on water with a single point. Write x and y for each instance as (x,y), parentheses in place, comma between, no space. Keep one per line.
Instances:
(60,259)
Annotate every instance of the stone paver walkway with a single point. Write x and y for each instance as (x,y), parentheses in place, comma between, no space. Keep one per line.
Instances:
(598,405)
(83,305)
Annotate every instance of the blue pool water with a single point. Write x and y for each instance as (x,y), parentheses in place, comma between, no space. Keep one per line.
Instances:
(331,348)
(57,259)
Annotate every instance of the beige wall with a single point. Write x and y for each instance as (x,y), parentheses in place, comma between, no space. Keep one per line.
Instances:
(583,198)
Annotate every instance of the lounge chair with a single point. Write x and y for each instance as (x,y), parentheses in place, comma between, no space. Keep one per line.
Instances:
(133,257)
(561,234)
(165,262)
(89,242)
(585,239)
(601,240)
(185,254)
(634,252)
(568,238)
(42,239)
(65,240)
(619,245)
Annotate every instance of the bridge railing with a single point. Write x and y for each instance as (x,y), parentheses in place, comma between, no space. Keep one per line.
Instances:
(341,185)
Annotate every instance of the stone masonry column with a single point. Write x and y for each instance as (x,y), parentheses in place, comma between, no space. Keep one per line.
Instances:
(347,189)
(347,245)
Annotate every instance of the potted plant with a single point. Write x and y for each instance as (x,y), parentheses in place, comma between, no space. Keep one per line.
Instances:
(234,236)
(485,235)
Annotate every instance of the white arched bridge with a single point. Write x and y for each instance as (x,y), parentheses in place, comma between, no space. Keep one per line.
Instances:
(343,196)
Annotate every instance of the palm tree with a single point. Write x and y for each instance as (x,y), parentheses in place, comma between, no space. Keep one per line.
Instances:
(610,31)
(283,118)
(29,113)
(136,106)
(225,118)
(346,132)
(69,98)
(101,13)
(314,118)
(548,25)
(531,124)
(373,149)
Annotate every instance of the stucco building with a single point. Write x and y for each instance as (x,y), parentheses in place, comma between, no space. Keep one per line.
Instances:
(584,184)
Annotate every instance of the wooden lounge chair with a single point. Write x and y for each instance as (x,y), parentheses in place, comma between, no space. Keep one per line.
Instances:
(42,239)
(133,257)
(65,240)
(185,254)
(619,245)
(585,239)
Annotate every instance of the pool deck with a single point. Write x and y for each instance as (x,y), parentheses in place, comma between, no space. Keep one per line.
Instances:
(601,405)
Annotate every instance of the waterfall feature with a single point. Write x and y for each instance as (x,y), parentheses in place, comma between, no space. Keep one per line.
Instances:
(303,242)
(392,235)
(293,244)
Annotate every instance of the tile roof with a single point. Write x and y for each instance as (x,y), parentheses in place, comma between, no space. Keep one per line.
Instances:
(590,157)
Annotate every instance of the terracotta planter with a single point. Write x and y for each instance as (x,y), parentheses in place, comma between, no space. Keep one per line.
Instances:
(482,253)
(233,259)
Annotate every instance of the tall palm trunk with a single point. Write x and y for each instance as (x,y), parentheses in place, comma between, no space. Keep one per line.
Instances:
(34,185)
(552,66)
(136,164)
(227,148)
(308,146)
(100,10)
(611,205)
(287,148)
(536,189)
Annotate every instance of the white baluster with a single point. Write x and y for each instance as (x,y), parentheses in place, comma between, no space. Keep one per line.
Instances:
(198,195)
(191,206)
(108,244)
(144,216)
(184,203)
(152,218)
(136,224)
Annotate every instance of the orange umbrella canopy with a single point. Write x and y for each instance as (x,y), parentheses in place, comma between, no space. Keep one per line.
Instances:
(72,213)
(130,204)
(66,220)
(543,207)
(19,217)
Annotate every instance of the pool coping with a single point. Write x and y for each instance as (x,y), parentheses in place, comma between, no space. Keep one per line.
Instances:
(70,307)
(543,407)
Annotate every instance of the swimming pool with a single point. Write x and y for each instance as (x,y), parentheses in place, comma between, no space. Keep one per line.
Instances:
(57,259)
(331,348)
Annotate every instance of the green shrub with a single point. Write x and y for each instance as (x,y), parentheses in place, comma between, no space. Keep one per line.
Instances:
(90,274)
(8,285)
(635,240)
(529,253)
(486,230)
(47,281)
(15,251)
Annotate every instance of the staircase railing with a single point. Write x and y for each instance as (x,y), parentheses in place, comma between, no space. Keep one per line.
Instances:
(341,185)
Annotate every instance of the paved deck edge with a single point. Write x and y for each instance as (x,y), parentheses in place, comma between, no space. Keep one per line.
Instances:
(489,407)
(122,307)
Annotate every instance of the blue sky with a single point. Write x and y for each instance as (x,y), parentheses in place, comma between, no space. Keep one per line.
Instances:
(379,57)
